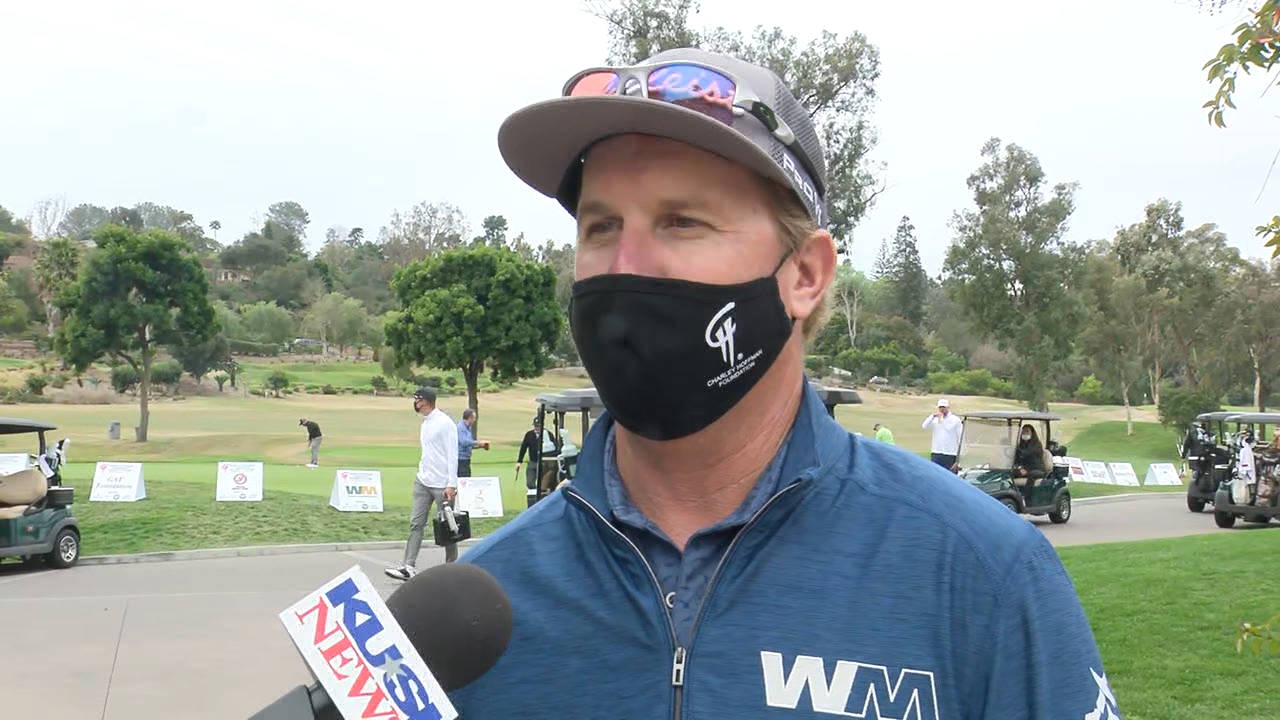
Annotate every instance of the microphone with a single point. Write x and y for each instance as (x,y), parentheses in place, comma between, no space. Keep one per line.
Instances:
(456,616)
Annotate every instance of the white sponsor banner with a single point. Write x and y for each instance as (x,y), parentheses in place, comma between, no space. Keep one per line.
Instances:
(117,482)
(357,491)
(11,463)
(1096,472)
(239,481)
(1162,474)
(1075,470)
(480,496)
(1124,474)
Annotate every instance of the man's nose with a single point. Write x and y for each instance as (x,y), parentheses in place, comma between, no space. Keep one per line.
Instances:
(636,253)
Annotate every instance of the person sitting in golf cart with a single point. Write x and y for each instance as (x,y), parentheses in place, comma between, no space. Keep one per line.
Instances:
(1028,457)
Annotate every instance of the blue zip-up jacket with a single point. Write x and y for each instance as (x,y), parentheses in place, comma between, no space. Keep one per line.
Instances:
(875,584)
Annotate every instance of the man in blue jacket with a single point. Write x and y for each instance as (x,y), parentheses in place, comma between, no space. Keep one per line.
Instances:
(727,550)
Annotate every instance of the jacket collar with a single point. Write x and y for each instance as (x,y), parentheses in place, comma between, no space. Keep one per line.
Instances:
(818,443)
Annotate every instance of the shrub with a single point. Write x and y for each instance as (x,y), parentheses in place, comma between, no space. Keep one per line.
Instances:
(221,379)
(433,381)
(277,381)
(248,347)
(1092,392)
(943,360)
(124,378)
(378,383)
(36,384)
(969,382)
(1180,405)
(452,381)
(166,373)
(58,380)
(329,390)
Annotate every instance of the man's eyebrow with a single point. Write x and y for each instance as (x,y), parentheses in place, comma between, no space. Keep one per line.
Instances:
(666,205)
(594,207)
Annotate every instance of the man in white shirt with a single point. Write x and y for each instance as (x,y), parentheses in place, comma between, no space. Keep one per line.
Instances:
(945,445)
(437,481)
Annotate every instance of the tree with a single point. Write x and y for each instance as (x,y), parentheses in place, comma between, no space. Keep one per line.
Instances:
(1254,327)
(139,291)
(850,289)
(125,217)
(13,312)
(292,217)
(57,263)
(47,216)
(215,226)
(81,221)
(337,319)
(833,77)
(14,235)
(290,286)
(1113,332)
(1012,271)
(477,308)
(907,281)
(200,359)
(495,232)
(266,322)
(426,229)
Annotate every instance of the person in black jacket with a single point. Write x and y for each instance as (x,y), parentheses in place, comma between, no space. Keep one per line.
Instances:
(531,445)
(1028,458)
(313,440)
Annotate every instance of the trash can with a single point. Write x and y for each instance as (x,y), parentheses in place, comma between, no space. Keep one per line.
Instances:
(113,430)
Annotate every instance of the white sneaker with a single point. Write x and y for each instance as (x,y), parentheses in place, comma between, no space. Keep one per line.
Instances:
(404,572)
(312,465)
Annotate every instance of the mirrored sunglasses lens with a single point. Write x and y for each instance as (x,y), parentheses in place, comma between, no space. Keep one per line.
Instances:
(696,88)
(596,83)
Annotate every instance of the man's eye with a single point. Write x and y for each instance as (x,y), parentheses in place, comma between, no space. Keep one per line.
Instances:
(682,222)
(599,227)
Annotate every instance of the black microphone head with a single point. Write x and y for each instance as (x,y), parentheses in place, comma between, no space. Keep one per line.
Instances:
(458,618)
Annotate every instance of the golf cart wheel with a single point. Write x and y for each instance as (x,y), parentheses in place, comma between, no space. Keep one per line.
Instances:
(66,549)
(1259,519)
(1062,512)
(1009,503)
(1224,519)
(1195,505)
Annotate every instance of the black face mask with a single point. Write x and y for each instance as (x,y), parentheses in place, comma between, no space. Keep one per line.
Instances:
(670,357)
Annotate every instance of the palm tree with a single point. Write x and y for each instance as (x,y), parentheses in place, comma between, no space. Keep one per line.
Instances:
(57,263)
(215,226)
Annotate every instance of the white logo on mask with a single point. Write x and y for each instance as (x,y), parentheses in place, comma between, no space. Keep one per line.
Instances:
(723,339)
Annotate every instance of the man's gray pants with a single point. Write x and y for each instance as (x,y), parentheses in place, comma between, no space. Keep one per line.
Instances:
(423,498)
(315,450)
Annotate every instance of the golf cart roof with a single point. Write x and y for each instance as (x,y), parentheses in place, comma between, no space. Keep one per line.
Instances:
(1215,416)
(572,400)
(13,426)
(1261,418)
(1009,415)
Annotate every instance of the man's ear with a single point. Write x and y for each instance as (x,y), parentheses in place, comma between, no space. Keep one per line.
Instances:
(804,287)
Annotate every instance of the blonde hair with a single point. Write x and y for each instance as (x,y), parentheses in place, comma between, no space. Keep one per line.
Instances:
(795,227)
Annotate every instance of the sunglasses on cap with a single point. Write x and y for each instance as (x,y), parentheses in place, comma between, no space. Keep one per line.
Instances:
(696,87)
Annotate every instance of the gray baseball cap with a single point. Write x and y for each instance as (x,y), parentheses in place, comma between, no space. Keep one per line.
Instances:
(544,143)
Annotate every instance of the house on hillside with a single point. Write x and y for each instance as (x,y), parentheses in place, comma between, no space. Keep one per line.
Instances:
(223,275)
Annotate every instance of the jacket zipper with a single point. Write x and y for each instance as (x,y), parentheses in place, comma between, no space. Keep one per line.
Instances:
(680,656)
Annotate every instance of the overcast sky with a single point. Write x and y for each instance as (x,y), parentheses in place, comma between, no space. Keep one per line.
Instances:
(354,109)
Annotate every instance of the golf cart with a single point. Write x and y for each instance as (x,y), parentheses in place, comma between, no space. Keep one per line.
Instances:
(558,458)
(1252,490)
(35,509)
(1208,456)
(988,442)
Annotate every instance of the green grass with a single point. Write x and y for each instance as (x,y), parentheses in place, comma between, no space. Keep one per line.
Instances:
(1164,613)
(13,363)
(354,375)
(1106,441)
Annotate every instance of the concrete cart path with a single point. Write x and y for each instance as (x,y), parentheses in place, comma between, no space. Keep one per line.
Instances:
(198,639)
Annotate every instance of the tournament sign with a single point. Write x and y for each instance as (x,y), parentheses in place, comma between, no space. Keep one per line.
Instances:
(117,482)
(1096,472)
(1162,474)
(1124,474)
(1075,470)
(357,491)
(11,463)
(480,496)
(239,481)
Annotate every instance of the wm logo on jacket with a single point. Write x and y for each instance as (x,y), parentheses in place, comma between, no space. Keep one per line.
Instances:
(856,690)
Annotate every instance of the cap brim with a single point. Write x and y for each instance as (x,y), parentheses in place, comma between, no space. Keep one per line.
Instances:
(540,142)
